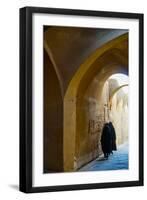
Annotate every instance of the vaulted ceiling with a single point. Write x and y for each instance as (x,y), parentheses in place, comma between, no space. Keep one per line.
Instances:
(68,47)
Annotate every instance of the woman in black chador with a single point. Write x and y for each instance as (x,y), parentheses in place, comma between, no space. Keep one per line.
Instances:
(106,141)
(113,136)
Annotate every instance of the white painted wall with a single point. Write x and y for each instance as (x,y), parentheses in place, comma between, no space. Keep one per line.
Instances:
(9,117)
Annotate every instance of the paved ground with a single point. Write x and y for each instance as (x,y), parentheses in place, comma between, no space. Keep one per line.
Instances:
(119,160)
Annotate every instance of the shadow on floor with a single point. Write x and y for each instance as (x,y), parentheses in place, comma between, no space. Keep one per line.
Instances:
(14,187)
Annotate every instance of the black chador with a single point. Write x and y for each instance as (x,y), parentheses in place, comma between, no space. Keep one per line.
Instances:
(106,142)
(113,136)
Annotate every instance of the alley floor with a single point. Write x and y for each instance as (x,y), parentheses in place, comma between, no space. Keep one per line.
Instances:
(117,161)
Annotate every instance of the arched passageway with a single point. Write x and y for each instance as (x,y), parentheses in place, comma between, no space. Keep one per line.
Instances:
(77,100)
(117,112)
(85,102)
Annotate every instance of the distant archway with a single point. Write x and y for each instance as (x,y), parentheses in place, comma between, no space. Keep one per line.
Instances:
(115,91)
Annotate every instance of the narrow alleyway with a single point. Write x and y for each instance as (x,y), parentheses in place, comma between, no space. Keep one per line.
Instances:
(117,161)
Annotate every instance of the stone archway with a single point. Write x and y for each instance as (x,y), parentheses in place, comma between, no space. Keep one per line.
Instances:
(111,58)
(118,109)
(115,91)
